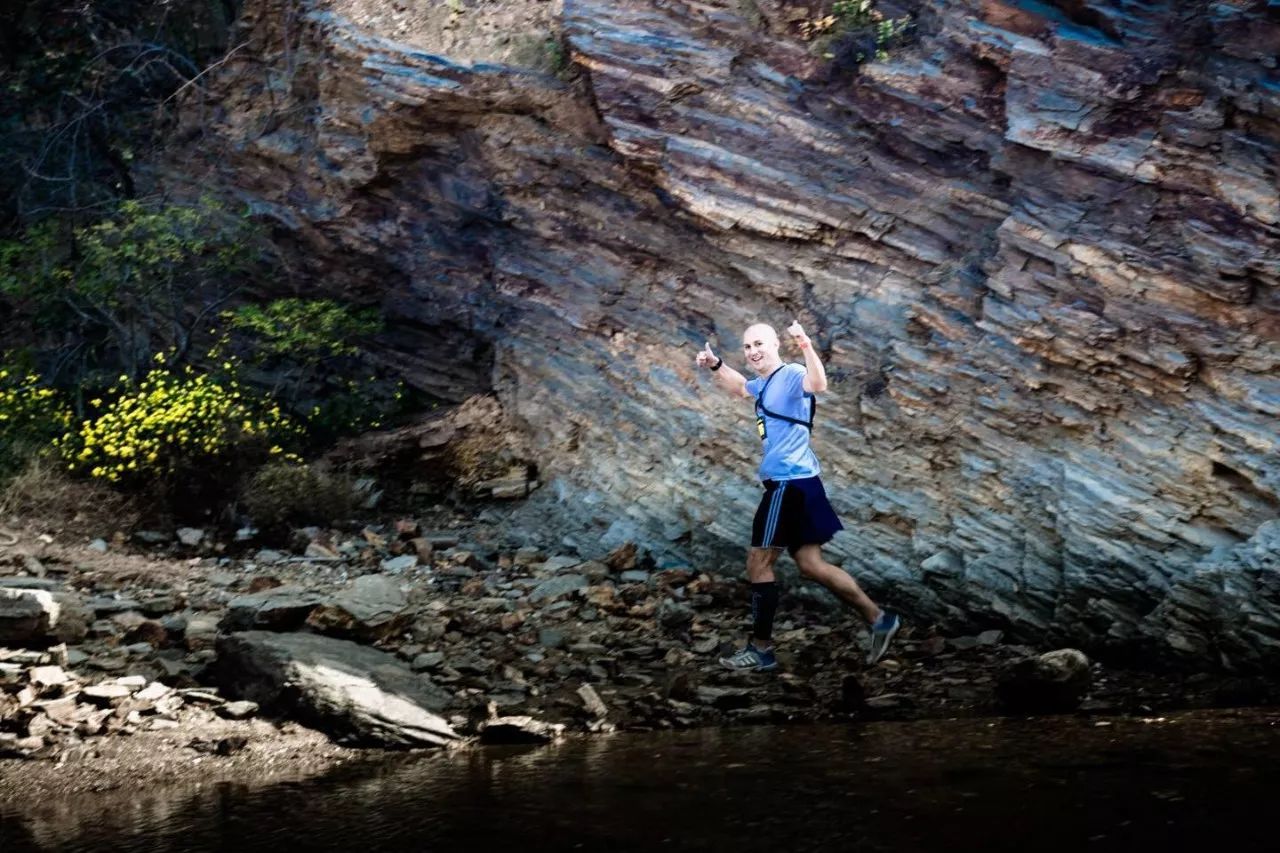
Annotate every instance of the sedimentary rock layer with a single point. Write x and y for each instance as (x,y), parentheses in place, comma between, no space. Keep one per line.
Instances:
(1038,246)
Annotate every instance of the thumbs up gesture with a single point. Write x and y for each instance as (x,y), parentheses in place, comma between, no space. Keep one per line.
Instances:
(797,333)
(706,358)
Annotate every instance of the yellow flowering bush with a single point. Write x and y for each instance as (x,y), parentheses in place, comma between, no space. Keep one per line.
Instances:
(31,414)
(174,423)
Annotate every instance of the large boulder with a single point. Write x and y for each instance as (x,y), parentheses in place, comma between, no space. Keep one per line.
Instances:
(354,693)
(1053,681)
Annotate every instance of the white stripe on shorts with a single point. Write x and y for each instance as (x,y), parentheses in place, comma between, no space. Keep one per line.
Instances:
(775,510)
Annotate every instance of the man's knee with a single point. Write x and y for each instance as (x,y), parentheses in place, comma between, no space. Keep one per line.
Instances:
(762,558)
(809,561)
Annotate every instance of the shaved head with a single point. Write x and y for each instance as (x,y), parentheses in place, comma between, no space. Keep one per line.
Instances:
(760,345)
(760,330)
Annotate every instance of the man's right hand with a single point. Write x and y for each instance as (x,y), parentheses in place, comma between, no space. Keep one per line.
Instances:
(706,358)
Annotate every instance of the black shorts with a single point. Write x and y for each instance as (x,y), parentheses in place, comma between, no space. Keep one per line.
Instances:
(794,513)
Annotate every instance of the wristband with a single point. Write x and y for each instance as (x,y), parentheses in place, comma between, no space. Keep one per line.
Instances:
(717,365)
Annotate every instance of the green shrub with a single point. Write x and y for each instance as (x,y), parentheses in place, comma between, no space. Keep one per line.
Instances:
(305,331)
(31,416)
(855,32)
(310,348)
(292,494)
(140,279)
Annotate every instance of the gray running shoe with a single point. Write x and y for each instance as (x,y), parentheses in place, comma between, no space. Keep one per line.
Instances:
(882,634)
(750,659)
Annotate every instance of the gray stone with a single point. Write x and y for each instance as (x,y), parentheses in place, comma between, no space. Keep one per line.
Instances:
(110,605)
(106,695)
(241,710)
(519,730)
(284,608)
(49,676)
(634,576)
(190,536)
(552,589)
(39,618)
(353,692)
(674,617)
(99,545)
(550,638)
(201,631)
(1053,681)
(28,582)
(559,564)
(398,565)
(527,556)
(724,698)
(373,608)
(592,702)
(427,661)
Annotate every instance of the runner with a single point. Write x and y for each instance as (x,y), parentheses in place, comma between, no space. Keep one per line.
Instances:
(794,512)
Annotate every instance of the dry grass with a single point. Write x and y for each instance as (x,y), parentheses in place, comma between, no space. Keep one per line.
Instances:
(42,492)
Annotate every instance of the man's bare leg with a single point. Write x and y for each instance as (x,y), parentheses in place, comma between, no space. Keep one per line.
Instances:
(813,566)
(760,562)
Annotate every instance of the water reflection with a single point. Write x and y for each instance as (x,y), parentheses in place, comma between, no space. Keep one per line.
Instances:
(1048,784)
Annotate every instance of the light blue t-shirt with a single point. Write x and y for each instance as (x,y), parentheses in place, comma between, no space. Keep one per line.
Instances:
(787,455)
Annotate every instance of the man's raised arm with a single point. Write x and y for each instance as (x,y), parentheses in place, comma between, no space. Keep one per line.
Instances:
(815,375)
(725,376)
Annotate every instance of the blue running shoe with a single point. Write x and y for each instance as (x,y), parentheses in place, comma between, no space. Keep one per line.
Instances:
(881,634)
(750,659)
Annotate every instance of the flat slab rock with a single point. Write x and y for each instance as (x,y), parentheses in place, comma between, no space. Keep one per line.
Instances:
(353,693)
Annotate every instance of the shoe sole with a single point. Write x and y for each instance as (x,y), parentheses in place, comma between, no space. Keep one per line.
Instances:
(766,668)
(873,659)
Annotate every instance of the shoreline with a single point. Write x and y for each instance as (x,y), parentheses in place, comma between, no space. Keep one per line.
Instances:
(508,631)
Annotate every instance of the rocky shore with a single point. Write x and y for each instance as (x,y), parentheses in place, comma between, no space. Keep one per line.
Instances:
(172,657)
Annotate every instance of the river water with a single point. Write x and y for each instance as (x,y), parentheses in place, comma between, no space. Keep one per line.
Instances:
(1201,780)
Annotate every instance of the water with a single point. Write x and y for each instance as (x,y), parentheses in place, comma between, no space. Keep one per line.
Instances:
(1205,779)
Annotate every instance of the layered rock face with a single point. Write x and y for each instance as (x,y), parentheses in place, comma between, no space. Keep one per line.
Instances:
(1039,248)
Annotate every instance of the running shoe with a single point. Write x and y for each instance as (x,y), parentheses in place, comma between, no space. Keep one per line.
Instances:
(881,634)
(750,659)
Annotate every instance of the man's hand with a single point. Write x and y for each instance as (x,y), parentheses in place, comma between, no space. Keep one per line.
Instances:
(797,333)
(706,358)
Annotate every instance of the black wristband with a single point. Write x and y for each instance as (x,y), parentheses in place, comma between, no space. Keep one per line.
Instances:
(719,362)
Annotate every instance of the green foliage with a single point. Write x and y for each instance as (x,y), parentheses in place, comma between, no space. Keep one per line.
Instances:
(352,406)
(310,347)
(306,331)
(855,32)
(174,424)
(284,493)
(31,415)
(144,277)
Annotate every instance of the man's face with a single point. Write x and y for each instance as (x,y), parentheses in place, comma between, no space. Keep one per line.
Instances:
(760,346)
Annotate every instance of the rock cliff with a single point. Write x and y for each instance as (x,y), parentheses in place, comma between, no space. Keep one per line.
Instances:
(1039,247)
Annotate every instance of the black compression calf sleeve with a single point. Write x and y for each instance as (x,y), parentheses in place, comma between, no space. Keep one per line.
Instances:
(764,603)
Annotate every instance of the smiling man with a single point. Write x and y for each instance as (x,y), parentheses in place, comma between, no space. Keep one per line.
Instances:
(794,512)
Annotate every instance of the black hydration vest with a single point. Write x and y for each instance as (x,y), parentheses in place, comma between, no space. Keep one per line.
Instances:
(761,411)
